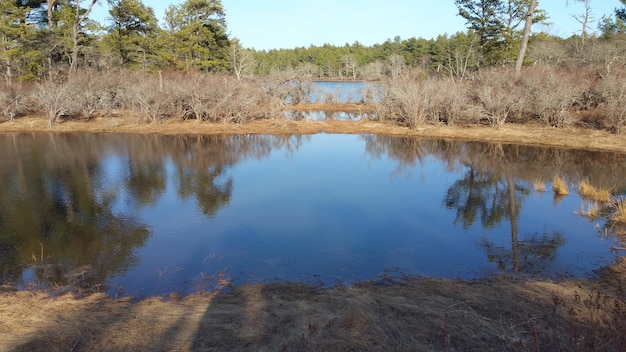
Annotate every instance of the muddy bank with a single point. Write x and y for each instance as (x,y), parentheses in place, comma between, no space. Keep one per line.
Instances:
(527,134)
(415,314)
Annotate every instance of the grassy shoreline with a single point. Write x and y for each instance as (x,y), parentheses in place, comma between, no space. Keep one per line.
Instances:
(525,134)
(414,314)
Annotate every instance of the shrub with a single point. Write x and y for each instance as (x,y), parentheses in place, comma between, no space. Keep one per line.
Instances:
(493,97)
(612,91)
(13,101)
(548,94)
(55,100)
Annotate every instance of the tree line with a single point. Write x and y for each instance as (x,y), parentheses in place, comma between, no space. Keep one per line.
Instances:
(41,39)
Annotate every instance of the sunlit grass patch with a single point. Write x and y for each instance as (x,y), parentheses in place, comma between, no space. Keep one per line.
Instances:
(588,191)
(539,185)
(559,186)
(618,213)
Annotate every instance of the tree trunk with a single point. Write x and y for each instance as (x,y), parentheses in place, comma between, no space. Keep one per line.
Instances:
(75,32)
(525,37)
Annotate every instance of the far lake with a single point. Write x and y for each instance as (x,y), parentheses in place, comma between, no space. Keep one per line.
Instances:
(152,215)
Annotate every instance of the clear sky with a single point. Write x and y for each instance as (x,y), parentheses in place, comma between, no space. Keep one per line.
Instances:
(272,24)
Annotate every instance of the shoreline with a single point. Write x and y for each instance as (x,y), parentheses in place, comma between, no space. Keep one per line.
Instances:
(524,134)
(414,313)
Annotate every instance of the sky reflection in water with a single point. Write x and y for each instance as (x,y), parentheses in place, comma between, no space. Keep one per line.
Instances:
(148,215)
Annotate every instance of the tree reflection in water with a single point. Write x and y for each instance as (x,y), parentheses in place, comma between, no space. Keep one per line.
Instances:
(59,222)
(495,183)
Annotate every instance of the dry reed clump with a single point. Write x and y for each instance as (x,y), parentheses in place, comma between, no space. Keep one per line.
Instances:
(588,191)
(559,186)
(618,213)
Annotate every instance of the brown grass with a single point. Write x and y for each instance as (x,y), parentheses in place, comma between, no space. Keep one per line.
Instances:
(411,315)
(618,213)
(589,191)
(117,121)
(559,186)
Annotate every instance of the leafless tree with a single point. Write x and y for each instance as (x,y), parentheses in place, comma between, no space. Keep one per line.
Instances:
(395,65)
(584,19)
(350,66)
(241,60)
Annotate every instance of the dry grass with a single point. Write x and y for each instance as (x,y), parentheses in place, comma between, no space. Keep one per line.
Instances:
(411,315)
(117,121)
(588,191)
(559,186)
(618,213)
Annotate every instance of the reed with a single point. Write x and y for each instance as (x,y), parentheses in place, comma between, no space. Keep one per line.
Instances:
(619,211)
(588,191)
(559,186)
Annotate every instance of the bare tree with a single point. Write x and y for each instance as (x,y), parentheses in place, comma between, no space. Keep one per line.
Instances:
(350,66)
(395,64)
(241,60)
(584,19)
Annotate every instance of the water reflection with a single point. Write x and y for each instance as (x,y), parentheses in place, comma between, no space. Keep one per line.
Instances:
(156,214)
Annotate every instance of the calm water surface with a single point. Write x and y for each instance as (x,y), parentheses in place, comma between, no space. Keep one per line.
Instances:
(145,215)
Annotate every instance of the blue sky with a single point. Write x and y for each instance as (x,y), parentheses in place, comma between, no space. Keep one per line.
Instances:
(270,24)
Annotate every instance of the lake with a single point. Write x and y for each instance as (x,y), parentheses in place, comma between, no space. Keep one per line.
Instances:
(139,215)
(345,91)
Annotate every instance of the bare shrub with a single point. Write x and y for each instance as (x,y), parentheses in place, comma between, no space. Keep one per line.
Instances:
(147,98)
(404,102)
(13,101)
(218,98)
(493,96)
(55,100)
(612,92)
(448,99)
(92,92)
(548,94)
(414,103)
(548,52)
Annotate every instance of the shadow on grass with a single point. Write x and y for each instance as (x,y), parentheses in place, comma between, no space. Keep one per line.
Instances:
(414,314)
